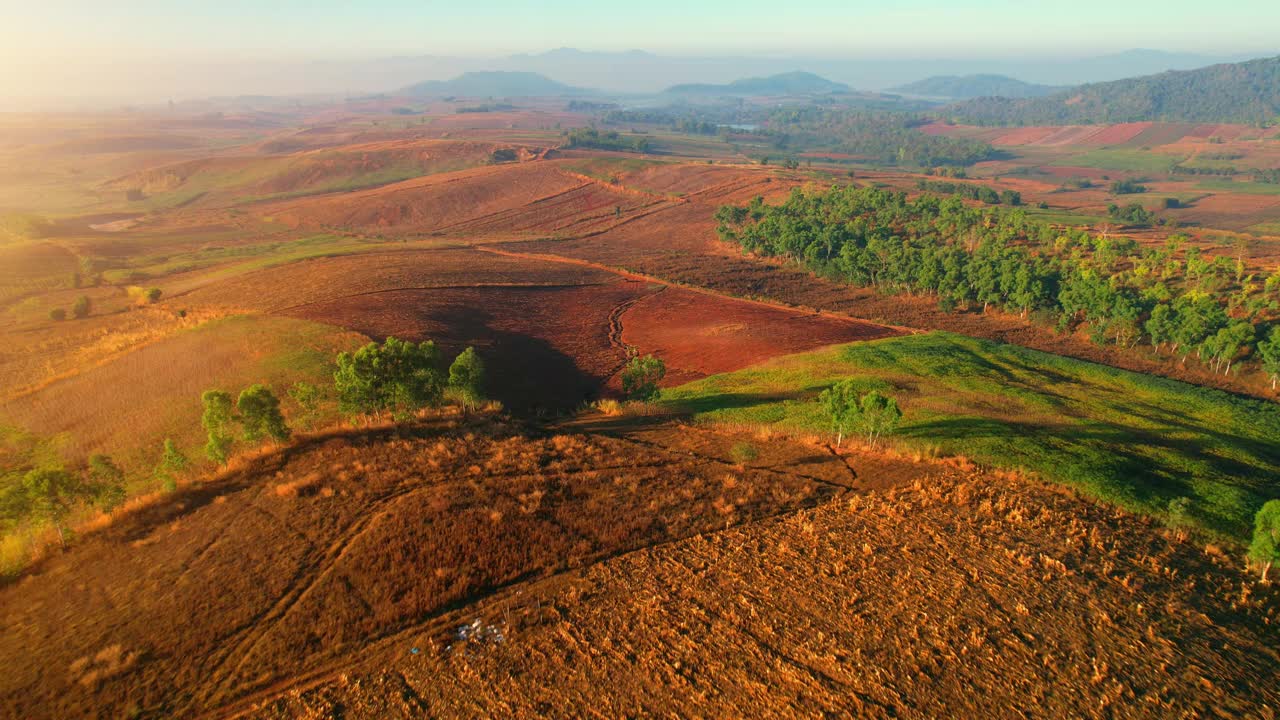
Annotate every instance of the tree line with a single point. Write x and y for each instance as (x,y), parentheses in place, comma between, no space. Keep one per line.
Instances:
(884,138)
(607,140)
(1172,297)
(969,191)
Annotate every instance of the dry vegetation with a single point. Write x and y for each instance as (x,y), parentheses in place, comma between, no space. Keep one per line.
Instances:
(1005,598)
(295,563)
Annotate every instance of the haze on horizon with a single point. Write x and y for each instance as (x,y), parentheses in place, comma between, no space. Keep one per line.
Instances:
(147,50)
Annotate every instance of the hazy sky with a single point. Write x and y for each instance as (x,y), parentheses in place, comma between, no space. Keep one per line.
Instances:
(291,28)
(149,50)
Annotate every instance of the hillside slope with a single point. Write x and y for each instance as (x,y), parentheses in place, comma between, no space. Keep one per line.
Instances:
(793,83)
(494,84)
(1247,92)
(965,87)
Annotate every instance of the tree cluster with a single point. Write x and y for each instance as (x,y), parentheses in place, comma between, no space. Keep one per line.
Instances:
(400,378)
(884,138)
(1175,299)
(872,415)
(608,140)
(48,495)
(970,191)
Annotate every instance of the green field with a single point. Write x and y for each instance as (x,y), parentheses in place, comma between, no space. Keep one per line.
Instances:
(1135,440)
(1131,160)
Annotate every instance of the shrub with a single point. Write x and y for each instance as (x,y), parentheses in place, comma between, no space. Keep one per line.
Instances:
(172,463)
(57,314)
(641,376)
(82,307)
(1178,518)
(609,407)
(108,481)
(743,452)
(152,295)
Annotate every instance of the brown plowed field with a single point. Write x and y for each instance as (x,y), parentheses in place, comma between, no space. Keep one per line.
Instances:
(279,288)
(526,196)
(303,562)
(962,596)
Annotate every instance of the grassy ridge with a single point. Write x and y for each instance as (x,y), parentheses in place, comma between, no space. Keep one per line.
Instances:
(1132,439)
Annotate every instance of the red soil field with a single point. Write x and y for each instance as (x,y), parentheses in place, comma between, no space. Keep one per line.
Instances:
(1024,136)
(1117,134)
(547,349)
(1234,211)
(1161,134)
(697,334)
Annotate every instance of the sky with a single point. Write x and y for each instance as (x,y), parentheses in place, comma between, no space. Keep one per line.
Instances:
(67,29)
(174,47)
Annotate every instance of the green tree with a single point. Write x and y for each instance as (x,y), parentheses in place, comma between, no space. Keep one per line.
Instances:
(260,415)
(1160,326)
(1269,351)
(1265,548)
(641,376)
(878,416)
(466,377)
(172,464)
(50,494)
(840,403)
(107,480)
(307,396)
(397,377)
(216,420)
(82,307)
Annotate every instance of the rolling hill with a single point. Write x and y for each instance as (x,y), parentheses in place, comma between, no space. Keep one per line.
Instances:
(792,83)
(494,84)
(966,87)
(1247,92)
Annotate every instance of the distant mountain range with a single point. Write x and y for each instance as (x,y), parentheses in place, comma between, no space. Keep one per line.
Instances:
(792,83)
(1247,92)
(965,87)
(494,84)
(633,72)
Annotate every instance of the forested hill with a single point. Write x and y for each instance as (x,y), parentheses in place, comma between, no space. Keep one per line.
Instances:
(494,84)
(793,83)
(965,87)
(1247,92)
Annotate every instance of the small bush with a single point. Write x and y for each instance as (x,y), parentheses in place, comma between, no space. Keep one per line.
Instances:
(743,452)
(609,407)
(57,314)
